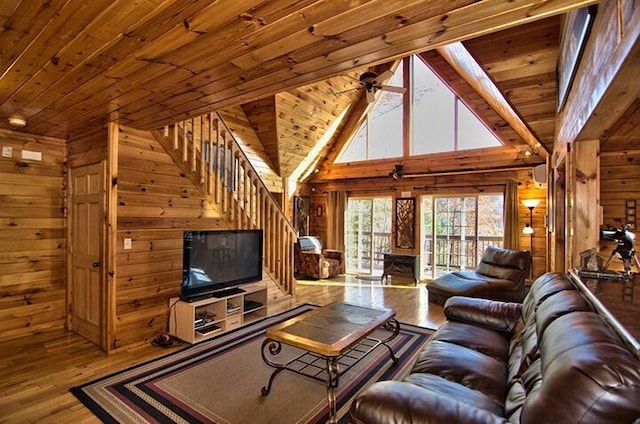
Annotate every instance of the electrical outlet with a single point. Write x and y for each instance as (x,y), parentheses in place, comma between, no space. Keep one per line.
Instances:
(127,244)
(7,151)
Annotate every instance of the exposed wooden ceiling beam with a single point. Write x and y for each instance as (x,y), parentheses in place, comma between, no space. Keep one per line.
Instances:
(462,61)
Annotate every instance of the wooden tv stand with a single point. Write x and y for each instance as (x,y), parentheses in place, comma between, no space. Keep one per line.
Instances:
(202,319)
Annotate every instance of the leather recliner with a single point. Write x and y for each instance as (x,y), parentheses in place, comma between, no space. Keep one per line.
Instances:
(500,275)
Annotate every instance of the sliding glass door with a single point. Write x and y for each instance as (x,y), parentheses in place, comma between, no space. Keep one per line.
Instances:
(367,234)
(457,229)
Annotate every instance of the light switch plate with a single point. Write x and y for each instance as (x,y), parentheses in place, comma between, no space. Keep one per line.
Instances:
(28,154)
(7,151)
(127,244)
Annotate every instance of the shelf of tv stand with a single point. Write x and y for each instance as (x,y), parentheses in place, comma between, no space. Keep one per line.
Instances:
(226,312)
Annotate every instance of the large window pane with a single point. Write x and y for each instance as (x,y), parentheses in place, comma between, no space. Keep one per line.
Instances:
(464,226)
(473,134)
(357,149)
(433,109)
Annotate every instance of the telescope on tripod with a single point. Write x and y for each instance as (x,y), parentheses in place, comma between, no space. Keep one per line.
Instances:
(625,247)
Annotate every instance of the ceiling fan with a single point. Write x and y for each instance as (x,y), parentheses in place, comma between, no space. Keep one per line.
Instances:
(372,82)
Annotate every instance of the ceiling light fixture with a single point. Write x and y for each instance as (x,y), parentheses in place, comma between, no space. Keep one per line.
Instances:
(17,121)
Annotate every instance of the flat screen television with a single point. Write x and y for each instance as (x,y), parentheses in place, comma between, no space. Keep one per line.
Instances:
(217,262)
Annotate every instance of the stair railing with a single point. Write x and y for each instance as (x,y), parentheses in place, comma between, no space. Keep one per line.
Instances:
(205,147)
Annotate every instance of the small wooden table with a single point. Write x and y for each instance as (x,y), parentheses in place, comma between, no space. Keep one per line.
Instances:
(327,334)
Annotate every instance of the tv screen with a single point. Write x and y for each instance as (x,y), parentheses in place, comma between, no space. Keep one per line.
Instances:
(220,259)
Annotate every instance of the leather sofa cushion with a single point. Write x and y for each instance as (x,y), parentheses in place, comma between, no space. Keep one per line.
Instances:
(464,366)
(506,258)
(468,283)
(588,373)
(499,316)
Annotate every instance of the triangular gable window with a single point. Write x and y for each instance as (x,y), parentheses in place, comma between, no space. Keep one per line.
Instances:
(440,121)
(380,134)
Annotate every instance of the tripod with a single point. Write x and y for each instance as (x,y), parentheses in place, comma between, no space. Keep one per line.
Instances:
(627,254)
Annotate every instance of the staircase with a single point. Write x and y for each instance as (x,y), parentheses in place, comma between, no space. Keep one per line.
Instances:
(207,153)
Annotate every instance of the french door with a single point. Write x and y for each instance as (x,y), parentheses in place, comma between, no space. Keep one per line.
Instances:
(367,234)
(456,230)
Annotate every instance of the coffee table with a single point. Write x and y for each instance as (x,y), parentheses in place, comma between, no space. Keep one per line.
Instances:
(333,338)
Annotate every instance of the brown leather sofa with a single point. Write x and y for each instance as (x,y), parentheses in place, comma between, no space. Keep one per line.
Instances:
(313,261)
(500,275)
(551,359)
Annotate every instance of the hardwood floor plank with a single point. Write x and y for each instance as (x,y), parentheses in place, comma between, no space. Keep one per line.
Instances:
(40,370)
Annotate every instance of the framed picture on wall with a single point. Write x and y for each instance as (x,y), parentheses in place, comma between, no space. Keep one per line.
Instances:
(301,207)
(405,222)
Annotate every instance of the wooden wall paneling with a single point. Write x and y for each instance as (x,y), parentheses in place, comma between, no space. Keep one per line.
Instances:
(156,203)
(492,182)
(620,181)
(33,239)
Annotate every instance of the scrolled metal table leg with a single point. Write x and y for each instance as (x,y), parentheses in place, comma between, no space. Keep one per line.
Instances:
(333,378)
(274,348)
(394,326)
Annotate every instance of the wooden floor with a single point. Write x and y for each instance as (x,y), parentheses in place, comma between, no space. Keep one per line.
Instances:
(36,373)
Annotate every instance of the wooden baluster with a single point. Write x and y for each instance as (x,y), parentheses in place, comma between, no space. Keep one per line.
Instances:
(232,185)
(203,150)
(216,169)
(194,143)
(185,142)
(210,163)
(223,171)
(174,133)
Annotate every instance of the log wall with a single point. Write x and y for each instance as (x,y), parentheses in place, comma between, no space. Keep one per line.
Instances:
(473,183)
(619,182)
(156,202)
(32,236)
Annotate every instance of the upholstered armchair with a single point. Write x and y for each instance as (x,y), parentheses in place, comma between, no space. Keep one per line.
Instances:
(312,261)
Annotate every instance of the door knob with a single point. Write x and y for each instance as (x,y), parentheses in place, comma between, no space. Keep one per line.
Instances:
(96,264)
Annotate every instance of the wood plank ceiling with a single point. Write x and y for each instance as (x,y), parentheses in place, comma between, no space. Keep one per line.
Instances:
(69,66)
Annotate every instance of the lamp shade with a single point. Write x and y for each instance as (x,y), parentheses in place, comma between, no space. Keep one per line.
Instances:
(531,203)
(528,230)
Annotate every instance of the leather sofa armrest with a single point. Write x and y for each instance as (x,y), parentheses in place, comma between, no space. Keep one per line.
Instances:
(499,316)
(404,403)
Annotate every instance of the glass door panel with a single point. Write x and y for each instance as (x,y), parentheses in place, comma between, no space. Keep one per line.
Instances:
(367,234)
(456,230)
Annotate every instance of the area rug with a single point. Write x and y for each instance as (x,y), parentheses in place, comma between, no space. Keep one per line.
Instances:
(220,381)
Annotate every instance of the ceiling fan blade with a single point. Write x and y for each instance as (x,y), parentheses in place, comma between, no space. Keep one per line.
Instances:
(392,89)
(385,76)
(371,97)
(346,91)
